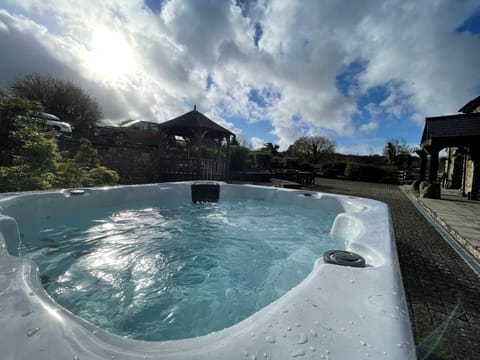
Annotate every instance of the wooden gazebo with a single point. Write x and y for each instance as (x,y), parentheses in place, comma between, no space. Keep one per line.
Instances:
(194,148)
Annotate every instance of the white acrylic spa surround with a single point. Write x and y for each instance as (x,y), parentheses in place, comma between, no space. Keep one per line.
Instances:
(337,312)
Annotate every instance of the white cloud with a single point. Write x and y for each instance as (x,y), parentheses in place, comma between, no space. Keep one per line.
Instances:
(359,149)
(368,127)
(409,47)
(257,143)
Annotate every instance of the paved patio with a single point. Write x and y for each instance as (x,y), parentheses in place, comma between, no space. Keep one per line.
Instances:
(443,292)
(457,215)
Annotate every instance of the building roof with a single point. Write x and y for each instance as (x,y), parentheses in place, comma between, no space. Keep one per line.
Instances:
(194,120)
(452,130)
(471,106)
(141,124)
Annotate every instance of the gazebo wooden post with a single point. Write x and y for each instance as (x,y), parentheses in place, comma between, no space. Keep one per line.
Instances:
(423,164)
(227,162)
(433,173)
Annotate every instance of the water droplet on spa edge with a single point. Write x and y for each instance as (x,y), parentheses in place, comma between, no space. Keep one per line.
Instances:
(27,313)
(270,339)
(363,343)
(313,332)
(253,357)
(33,331)
(298,353)
(303,339)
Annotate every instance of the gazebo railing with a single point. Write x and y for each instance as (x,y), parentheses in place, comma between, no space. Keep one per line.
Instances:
(192,169)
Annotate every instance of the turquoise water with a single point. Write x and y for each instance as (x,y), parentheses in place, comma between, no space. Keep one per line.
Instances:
(175,270)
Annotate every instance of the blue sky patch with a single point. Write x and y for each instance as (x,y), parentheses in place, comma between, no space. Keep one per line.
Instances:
(244,5)
(259,129)
(264,97)
(374,95)
(255,96)
(210,81)
(258,33)
(348,79)
(155,5)
(471,25)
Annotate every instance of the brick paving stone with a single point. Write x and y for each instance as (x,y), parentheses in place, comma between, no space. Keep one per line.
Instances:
(443,293)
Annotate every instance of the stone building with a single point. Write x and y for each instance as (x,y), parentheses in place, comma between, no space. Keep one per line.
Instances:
(459,135)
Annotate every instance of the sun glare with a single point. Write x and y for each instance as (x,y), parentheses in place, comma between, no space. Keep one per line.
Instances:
(110,55)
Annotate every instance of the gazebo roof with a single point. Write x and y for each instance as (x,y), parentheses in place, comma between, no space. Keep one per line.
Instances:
(451,130)
(194,120)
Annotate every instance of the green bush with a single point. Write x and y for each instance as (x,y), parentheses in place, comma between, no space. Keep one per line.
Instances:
(305,166)
(291,162)
(101,175)
(334,169)
(276,162)
(370,173)
(22,178)
(239,158)
(84,169)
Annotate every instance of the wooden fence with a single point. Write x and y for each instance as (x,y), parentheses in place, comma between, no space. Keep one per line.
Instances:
(192,169)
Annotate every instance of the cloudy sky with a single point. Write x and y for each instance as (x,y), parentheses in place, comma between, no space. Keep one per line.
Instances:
(358,71)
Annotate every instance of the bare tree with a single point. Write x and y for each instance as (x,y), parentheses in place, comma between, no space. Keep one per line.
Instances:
(396,149)
(313,148)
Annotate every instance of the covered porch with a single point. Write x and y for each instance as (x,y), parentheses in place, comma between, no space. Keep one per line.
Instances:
(460,131)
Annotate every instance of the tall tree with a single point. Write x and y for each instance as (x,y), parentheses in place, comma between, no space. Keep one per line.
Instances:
(312,148)
(396,150)
(62,98)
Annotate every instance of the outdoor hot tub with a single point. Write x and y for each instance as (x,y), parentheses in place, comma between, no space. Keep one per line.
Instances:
(350,304)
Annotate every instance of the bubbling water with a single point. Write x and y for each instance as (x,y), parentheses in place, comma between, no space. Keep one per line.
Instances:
(175,270)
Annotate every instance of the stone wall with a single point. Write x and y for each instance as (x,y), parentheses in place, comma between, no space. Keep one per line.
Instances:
(134,165)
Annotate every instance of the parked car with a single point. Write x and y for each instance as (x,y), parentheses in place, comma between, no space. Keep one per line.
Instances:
(54,123)
(136,132)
